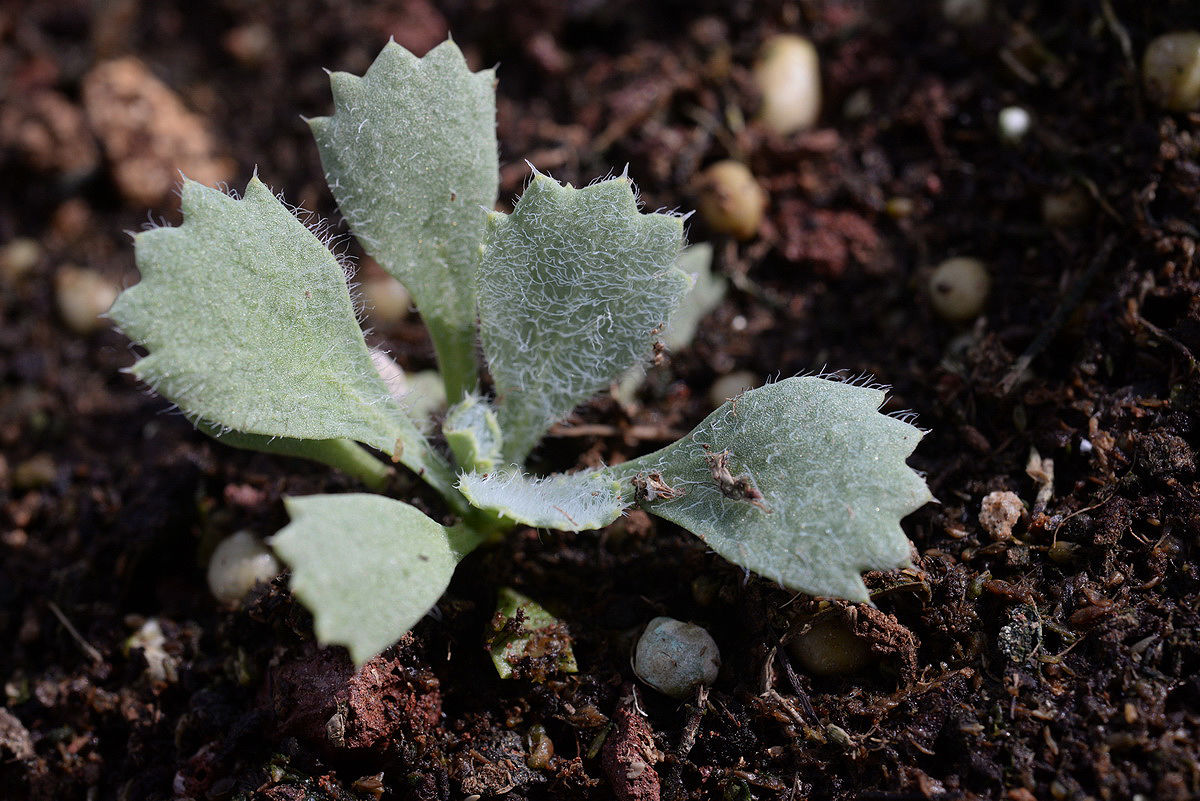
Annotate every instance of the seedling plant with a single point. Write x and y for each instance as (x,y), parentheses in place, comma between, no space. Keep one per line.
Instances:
(249,327)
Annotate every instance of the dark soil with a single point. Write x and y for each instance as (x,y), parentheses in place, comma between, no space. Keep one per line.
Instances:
(1062,662)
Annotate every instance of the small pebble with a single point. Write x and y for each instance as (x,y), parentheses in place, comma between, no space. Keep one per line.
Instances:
(999,512)
(541,748)
(1069,208)
(829,647)
(728,387)
(1064,553)
(238,563)
(387,301)
(965,13)
(18,257)
(392,374)
(788,75)
(730,200)
(83,296)
(959,288)
(35,472)
(1171,70)
(160,665)
(1014,123)
(252,44)
(899,208)
(675,657)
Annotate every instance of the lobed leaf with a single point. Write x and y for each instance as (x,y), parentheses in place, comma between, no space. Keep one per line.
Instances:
(574,287)
(704,296)
(566,502)
(410,154)
(249,326)
(368,567)
(830,470)
(706,293)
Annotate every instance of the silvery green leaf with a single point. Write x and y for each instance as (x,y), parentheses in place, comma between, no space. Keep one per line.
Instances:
(410,154)
(706,293)
(249,326)
(567,502)
(802,481)
(368,567)
(574,288)
(473,434)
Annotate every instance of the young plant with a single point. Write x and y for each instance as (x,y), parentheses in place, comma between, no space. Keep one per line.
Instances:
(249,327)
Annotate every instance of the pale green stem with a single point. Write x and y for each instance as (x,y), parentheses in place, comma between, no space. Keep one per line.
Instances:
(455,349)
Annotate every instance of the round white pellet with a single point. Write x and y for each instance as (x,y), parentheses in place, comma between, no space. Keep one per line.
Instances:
(1014,123)
(788,74)
(675,657)
(237,564)
(1171,70)
(959,288)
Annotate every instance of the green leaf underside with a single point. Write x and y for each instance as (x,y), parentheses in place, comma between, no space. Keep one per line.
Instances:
(410,154)
(341,454)
(832,473)
(566,502)
(368,567)
(574,286)
(473,434)
(706,292)
(249,326)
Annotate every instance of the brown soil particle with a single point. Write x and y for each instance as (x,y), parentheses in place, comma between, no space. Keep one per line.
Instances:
(629,754)
(322,699)
(50,133)
(148,134)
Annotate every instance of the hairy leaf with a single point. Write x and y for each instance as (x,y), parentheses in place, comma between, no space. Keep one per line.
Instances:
(410,154)
(368,567)
(249,325)
(704,296)
(574,502)
(706,292)
(473,434)
(802,481)
(574,287)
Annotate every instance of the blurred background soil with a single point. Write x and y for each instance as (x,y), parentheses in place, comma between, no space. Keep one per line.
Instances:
(1046,642)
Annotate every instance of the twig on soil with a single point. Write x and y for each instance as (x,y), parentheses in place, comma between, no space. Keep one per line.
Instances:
(1159,333)
(1120,33)
(84,645)
(1054,535)
(801,695)
(673,781)
(1060,315)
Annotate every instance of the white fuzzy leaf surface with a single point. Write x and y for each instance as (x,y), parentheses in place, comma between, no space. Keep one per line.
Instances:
(574,288)
(410,154)
(831,470)
(473,434)
(566,502)
(368,567)
(249,326)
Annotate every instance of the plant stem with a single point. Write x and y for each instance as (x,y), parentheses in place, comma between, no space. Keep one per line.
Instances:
(455,349)
(350,458)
